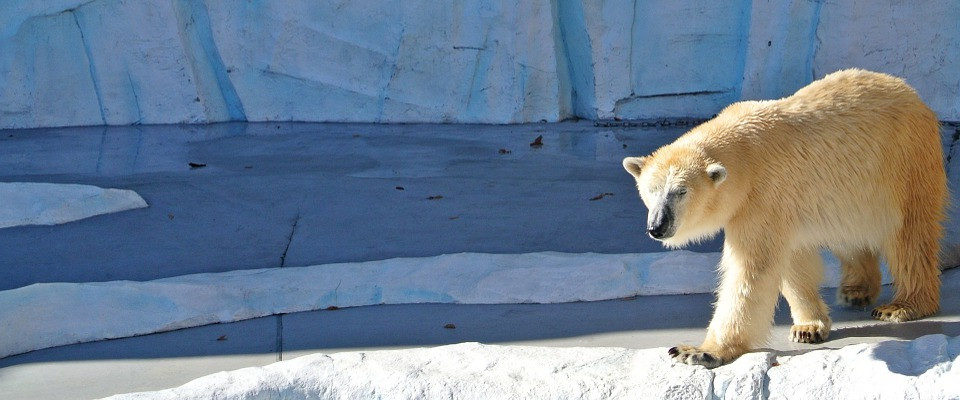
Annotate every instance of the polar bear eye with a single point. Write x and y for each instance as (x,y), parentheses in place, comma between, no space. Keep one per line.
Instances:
(679,192)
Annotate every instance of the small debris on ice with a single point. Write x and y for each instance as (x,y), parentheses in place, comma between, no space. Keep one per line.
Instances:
(538,142)
(449,326)
(194,165)
(600,196)
(437,197)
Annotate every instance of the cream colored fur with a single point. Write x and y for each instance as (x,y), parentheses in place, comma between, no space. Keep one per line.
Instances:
(851,162)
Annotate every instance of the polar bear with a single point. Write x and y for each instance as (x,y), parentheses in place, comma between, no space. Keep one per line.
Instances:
(851,163)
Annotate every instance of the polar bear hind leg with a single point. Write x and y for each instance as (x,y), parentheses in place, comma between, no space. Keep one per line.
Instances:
(860,279)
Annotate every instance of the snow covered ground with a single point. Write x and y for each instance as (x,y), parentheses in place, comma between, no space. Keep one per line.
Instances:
(32,203)
(53,314)
(925,368)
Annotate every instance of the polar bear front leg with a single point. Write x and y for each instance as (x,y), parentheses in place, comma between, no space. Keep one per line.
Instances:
(748,294)
(801,287)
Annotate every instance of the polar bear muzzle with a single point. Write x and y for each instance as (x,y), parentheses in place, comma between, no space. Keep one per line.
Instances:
(661,220)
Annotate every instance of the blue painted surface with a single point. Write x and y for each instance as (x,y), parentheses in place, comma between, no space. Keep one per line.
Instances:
(337,182)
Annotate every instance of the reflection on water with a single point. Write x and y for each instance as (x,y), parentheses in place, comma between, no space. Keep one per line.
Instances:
(369,150)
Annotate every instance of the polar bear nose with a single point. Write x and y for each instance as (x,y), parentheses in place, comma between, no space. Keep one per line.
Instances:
(657,232)
(660,228)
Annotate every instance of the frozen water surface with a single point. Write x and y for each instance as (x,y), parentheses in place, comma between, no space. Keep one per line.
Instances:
(306,194)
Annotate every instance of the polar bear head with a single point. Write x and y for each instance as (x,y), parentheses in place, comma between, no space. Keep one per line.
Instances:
(683,191)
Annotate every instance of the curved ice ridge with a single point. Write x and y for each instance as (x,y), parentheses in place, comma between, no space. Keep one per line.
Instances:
(51,314)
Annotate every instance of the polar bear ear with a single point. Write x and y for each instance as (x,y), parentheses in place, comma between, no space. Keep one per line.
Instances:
(717,173)
(633,165)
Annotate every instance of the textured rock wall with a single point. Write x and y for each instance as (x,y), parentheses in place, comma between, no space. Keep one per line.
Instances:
(90,62)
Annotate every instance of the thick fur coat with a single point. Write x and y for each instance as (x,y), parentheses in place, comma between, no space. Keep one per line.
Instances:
(851,163)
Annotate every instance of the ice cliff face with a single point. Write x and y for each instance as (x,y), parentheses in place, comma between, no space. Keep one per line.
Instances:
(90,62)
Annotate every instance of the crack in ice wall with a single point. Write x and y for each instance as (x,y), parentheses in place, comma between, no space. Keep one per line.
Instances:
(482,61)
(579,54)
(13,13)
(215,86)
(814,38)
(93,69)
(742,41)
(697,93)
(136,99)
(389,78)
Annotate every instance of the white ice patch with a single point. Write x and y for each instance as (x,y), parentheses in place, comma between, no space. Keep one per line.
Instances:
(33,203)
(922,368)
(52,314)
(919,369)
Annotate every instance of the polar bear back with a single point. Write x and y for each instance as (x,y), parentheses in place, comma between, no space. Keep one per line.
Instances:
(843,160)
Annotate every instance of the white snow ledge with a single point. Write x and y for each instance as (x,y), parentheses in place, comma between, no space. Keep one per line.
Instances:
(923,368)
(45,315)
(32,203)
(52,314)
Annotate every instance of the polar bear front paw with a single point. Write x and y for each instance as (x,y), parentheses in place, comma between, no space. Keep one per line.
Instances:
(808,333)
(694,356)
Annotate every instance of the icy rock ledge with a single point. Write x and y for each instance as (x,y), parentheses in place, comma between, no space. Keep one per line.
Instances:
(54,314)
(922,368)
(33,203)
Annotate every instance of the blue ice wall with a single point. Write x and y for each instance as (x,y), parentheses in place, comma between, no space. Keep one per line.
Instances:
(90,62)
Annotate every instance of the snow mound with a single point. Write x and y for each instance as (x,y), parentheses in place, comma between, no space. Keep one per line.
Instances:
(32,203)
(474,371)
(54,314)
(922,368)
